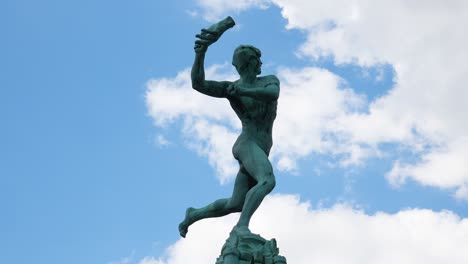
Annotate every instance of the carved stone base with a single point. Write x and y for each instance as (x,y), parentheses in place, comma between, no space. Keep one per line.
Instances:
(248,248)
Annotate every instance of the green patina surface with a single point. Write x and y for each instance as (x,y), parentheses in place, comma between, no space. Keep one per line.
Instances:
(254,99)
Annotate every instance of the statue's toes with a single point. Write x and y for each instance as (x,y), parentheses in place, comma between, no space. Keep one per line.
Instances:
(183,229)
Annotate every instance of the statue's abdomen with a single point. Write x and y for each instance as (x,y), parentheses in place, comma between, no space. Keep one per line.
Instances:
(257,124)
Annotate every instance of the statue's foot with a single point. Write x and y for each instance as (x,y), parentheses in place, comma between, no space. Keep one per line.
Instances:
(183,226)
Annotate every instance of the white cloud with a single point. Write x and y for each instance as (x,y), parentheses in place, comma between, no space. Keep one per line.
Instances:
(151,260)
(161,141)
(311,101)
(341,234)
(213,10)
(425,45)
(171,98)
(444,168)
(214,142)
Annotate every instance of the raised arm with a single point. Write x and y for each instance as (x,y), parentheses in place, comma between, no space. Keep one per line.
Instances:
(206,38)
(211,88)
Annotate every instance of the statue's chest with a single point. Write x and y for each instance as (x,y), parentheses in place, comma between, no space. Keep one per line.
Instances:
(253,108)
(250,104)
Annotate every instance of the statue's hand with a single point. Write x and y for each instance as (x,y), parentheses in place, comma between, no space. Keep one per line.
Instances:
(206,38)
(200,48)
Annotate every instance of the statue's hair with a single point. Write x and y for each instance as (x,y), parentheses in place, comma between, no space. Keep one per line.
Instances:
(242,55)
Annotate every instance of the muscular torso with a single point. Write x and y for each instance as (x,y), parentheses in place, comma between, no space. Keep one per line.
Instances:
(257,117)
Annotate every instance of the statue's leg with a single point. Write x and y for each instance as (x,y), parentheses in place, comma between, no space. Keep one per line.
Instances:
(219,207)
(257,165)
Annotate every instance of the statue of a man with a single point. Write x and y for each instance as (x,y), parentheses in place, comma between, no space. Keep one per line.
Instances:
(254,99)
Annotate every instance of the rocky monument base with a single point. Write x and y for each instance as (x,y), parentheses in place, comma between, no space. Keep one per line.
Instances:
(248,248)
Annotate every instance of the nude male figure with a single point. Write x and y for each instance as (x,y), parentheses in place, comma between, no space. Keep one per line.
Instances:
(254,100)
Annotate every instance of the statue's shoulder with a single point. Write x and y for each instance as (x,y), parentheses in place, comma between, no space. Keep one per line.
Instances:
(269,79)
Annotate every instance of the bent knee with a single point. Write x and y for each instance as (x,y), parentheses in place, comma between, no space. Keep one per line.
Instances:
(269,184)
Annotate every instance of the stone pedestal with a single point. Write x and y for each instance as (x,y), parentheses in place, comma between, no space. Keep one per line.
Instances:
(248,248)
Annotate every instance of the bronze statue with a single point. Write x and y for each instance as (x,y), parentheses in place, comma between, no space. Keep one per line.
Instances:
(254,100)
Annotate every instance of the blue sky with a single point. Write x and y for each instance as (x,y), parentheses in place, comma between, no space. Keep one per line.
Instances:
(89,175)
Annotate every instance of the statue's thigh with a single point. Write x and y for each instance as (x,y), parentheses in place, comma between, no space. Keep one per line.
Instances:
(255,161)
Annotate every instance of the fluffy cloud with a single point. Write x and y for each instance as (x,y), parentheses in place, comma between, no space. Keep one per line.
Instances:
(341,234)
(213,10)
(443,167)
(311,101)
(425,44)
(171,98)
(151,260)
(161,141)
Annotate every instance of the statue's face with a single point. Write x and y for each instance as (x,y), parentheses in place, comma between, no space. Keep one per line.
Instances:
(258,65)
(255,65)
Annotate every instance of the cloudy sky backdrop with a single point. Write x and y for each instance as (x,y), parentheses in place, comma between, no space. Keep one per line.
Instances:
(104,143)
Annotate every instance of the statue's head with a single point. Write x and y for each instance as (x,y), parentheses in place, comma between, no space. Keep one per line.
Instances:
(247,58)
